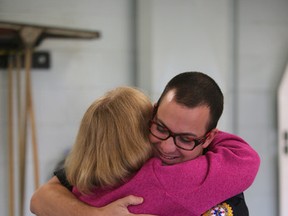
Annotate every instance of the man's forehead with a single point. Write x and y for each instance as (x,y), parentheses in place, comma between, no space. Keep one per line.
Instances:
(169,96)
(180,118)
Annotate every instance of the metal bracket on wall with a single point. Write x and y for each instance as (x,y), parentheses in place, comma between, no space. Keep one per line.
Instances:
(20,36)
(40,60)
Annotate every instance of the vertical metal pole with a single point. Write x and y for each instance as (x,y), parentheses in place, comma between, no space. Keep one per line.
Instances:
(22,150)
(29,35)
(28,61)
(235,77)
(10,137)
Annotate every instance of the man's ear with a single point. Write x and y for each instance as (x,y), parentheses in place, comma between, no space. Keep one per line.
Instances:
(210,137)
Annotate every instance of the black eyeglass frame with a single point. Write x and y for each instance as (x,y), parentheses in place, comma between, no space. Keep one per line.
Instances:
(198,141)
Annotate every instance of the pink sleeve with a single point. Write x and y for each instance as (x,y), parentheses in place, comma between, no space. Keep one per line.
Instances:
(227,169)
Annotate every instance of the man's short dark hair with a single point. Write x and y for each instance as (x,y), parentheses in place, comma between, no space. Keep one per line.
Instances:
(193,89)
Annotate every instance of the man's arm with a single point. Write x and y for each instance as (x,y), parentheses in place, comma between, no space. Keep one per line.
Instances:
(53,199)
(48,200)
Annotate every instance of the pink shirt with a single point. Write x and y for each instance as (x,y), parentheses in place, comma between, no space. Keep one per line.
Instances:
(189,188)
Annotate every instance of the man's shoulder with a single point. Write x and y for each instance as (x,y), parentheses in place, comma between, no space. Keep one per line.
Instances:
(61,175)
(235,206)
(222,135)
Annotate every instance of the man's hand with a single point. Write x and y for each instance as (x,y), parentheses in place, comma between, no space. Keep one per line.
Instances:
(119,207)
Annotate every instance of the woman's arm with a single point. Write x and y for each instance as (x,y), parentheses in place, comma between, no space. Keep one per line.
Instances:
(53,199)
(228,168)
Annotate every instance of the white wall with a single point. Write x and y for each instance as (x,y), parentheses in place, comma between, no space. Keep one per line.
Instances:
(262,57)
(243,41)
(186,35)
(80,72)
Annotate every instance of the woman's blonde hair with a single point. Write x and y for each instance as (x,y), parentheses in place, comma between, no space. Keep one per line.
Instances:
(112,142)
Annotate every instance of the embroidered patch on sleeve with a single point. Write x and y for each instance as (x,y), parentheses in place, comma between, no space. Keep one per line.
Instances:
(222,209)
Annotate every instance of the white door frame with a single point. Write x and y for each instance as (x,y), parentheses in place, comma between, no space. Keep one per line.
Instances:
(283,143)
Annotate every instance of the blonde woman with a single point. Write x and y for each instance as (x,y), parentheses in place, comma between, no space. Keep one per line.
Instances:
(112,142)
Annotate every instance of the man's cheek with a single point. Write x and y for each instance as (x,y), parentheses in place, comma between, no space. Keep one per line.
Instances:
(153,140)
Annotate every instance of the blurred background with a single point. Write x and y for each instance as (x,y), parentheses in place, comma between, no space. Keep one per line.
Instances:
(243,45)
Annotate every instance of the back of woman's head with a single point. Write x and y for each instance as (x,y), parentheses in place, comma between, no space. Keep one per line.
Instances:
(112,142)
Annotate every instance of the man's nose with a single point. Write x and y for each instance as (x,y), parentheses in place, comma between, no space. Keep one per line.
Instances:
(168,145)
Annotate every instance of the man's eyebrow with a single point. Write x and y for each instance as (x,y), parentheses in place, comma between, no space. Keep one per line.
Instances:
(163,124)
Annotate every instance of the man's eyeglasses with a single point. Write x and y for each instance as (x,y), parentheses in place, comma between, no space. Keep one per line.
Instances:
(183,141)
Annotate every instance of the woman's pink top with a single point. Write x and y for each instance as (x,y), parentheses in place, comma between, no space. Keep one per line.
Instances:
(190,188)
